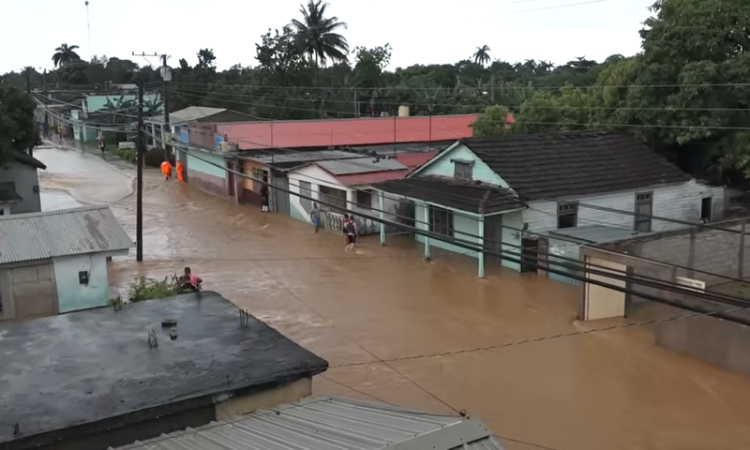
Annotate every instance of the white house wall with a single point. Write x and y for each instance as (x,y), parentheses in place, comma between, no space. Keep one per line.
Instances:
(318,177)
(677,201)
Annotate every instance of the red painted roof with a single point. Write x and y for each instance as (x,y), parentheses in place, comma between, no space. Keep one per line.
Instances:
(346,132)
(414,160)
(365,179)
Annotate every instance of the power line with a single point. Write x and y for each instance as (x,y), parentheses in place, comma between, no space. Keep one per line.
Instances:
(216,94)
(546,8)
(596,125)
(519,259)
(438,88)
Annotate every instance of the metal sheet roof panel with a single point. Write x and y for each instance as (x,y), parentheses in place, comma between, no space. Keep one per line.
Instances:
(325,423)
(51,234)
(361,165)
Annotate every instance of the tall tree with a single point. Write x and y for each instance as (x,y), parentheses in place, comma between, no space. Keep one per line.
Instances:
(318,35)
(482,55)
(65,54)
(18,131)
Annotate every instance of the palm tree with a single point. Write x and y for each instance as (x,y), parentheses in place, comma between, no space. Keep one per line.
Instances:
(482,55)
(64,54)
(317,35)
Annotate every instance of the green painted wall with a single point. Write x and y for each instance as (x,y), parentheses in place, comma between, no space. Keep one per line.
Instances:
(444,167)
(461,224)
(206,165)
(71,294)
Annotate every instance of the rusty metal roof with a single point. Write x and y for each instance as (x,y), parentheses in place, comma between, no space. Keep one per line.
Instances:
(332,423)
(51,234)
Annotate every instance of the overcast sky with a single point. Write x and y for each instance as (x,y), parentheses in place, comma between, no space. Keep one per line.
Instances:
(420,31)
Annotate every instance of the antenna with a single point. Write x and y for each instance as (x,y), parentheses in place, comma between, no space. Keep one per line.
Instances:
(88,25)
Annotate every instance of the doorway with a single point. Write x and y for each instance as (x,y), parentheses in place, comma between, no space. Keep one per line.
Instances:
(493,238)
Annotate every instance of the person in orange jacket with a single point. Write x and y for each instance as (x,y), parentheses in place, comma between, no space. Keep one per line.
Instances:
(180,171)
(166,169)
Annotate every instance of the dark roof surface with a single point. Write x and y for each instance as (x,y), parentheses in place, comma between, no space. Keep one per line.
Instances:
(93,366)
(565,165)
(463,195)
(25,158)
(402,148)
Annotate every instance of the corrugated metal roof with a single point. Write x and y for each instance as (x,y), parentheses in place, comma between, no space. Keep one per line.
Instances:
(28,237)
(597,234)
(331,423)
(360,165)
(299,156)
(189,114)
(366,179)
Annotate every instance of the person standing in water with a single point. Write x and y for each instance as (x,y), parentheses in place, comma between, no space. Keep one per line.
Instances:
(350,231)
(166,169)
(264,198)
(315,216)
(194,281)
(180,169)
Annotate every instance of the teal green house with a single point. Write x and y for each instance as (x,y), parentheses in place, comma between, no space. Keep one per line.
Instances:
(529,202)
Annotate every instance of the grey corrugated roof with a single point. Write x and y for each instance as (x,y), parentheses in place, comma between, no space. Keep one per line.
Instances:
(300,157)
(360,165)
(189,114)
(331,423)
(28,237)
(597,234)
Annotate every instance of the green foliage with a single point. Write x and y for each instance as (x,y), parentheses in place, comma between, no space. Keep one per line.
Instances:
(144,288)
(492,122)
(128,154)
(18,130)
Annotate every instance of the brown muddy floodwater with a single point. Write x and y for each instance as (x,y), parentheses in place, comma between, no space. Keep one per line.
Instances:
(603,391)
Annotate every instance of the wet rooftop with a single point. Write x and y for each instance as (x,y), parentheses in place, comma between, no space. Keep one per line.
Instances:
(83,367)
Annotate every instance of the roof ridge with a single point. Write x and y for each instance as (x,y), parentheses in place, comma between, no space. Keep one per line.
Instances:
(55,212)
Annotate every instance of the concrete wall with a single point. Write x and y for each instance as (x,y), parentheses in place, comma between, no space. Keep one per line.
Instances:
(703,249)
(710,339)
(443,166)
(26,182)
(27,291)
(202,170)
(677,201)
(74,296)
(169,418)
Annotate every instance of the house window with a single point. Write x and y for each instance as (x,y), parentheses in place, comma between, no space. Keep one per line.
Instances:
(364,199)
(706,209)
(441,221)
(305,188)
(258,175)
(462,170)
(83,277)
(333,198)
(567,215)
(644,203)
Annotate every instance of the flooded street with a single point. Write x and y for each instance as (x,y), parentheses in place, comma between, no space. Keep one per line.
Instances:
(602,391)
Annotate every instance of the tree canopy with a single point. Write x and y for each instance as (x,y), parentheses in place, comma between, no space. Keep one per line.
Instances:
(685,93)
(18,131)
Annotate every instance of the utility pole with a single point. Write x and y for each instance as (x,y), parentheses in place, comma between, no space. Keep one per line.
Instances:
(166,78)
(492,89)
(28,81)
(46,99)
(140,150)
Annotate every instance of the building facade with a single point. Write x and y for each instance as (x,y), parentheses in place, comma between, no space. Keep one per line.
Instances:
(57,261)
(560,181)
(19,185)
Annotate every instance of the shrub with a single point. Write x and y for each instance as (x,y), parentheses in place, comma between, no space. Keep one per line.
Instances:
(144,288)
(128,154)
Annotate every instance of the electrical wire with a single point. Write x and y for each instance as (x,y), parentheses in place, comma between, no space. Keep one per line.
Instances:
(178,83)
(582,125)
(381,102)
(526,260)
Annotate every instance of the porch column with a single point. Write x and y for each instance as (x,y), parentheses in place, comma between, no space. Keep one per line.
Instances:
(480,241)
(381,214)
(426,219)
